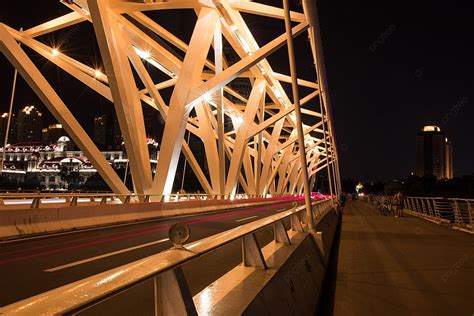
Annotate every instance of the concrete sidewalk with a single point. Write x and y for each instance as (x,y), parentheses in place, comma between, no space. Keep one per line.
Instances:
(402,266)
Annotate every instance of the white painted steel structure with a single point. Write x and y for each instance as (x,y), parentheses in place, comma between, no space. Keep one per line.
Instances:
(261,151)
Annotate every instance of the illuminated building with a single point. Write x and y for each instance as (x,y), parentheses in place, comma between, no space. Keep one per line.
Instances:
(29,125)
(101,131)
(3,128)
(42,164)
(51,133)
(449,174)
(150,119)
(117,135)
(434,153)
(107,135)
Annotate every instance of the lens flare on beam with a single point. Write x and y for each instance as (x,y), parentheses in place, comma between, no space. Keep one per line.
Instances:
(98,73)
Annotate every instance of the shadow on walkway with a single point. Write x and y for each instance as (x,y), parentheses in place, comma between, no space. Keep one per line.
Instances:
(328,295)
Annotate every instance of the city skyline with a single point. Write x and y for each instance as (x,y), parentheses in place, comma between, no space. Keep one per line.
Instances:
(28,126)
(106,134)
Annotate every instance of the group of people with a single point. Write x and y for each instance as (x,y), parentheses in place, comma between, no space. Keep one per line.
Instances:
(386,204)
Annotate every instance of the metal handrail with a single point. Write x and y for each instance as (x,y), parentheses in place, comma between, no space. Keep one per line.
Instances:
(454,211)
(34,200)
(457,212)
(98,288)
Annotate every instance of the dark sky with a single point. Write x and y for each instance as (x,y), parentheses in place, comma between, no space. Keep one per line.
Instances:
(393,67)
(420,71)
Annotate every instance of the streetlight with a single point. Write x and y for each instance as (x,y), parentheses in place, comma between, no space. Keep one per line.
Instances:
(97,73)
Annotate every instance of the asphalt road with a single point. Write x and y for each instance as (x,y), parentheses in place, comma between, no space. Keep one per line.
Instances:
(402,266)
(33,266)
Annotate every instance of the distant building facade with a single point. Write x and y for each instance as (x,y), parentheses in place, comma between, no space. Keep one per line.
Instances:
(45,165)
(101,131)
(117,135)
(29,125)
(52,133)
(107,134)
(3,128)
(434,153)
(448,161)
(47,157)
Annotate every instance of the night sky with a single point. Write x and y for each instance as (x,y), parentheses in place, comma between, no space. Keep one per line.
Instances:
(392,68)
(420,71)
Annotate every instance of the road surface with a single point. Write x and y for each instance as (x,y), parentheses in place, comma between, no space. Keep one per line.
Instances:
(36,265)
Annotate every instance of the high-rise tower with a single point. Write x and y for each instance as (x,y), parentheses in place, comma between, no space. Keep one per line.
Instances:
(434,153)
(29,125)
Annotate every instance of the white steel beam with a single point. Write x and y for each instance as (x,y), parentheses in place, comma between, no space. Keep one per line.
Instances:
(210,86)
(265,10)
(179,109)
(241,137)
(128,108)
(55,24)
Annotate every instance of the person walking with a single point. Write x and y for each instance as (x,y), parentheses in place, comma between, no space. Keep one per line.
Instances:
(398,201)
(342,200)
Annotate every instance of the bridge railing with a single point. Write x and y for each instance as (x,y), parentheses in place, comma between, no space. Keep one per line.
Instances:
(452,211)
(35,200)
(169,290)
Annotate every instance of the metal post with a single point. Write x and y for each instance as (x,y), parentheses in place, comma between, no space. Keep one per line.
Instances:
(323,114)
(334,167)
(220,113)
(323,117)
(338,172)
(184,166)
(309,8)
(125,175)
(299,125)
(258,171)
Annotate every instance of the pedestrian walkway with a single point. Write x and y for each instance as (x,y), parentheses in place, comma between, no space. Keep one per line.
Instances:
(402,266)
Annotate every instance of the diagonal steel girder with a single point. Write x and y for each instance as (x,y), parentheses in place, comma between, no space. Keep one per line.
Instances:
(179,109)
(127,103)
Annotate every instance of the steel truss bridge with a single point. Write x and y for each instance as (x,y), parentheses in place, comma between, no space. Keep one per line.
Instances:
(263,151)
(271,142)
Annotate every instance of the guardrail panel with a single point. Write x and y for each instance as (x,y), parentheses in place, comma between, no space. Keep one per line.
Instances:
(454,211)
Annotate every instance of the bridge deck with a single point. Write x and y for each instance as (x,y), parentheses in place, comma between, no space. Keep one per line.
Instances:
(402,266)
